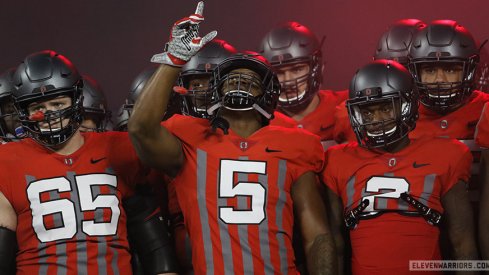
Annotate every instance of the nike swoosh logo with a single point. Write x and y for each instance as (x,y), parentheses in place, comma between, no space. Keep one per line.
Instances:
(416,165)
(93,161)
(322,129)
(271,150)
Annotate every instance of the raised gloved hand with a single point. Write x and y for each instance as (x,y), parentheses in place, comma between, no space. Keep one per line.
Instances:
(184,40)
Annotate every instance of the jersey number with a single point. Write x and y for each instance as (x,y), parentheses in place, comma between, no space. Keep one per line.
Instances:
(377,184)
(254,190)
(66,207)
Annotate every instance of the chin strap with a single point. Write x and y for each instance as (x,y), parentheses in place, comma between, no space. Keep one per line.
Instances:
(221,123)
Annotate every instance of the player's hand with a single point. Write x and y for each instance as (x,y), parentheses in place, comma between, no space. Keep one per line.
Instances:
(184,40)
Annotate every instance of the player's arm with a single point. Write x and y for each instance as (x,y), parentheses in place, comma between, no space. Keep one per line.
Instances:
(334,207)
(459,222)
(309,209)
(484,205)
(8,240)
(149,235)
(154,144)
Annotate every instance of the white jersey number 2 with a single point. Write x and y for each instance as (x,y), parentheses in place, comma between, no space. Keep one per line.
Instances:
(66,207)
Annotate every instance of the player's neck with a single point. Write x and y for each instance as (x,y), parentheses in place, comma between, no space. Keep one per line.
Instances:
(71,146)
(397,146)
(301,114)
(244,124)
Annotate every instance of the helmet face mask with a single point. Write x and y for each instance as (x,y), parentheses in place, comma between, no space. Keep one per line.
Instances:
(244,83)
(198,96)
(384,132)
(53,128)
(240,90)
(383,104)
(444,43)
(10,127)
(444,96)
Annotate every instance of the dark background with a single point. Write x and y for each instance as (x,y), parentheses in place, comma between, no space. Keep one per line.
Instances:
(114,40)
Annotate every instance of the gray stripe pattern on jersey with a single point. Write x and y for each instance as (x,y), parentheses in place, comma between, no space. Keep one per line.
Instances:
(62,256)
(350,191)
(282,197)
(429,184)
(243,229)
(224,234)
(115,253)
(43,266)
(81,238)
(263,235)
(204,216)
(101,242)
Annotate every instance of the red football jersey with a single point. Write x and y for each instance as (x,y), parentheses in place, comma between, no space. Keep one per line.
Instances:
(459,124)
(342,131)
(321,121)
(384,242)
(70,218)
(282,120)
(234,193)
(482,128)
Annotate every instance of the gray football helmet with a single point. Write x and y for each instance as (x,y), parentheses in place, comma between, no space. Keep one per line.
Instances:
(444,42)
(382,81)
(289,44)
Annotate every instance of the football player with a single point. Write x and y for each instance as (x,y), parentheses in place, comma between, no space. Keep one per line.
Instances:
(137,85)
(393,45)
(395,191)
(10,128)
(295,54)
(237,177)
(96,115)
(482,139)
(62,191)
(443,59)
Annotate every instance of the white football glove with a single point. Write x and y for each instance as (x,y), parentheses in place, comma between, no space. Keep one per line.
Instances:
(184,40)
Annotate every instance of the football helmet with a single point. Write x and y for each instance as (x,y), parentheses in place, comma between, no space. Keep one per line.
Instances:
(196,100)
(382,82)
(44,76)
(444,43)
(289,44)
(95,104)
(122,118)
(394,43)
(244,82)
(10,127)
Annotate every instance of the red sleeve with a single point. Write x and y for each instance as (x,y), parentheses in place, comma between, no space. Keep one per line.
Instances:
(327,175)
(459,169)
(482,128)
